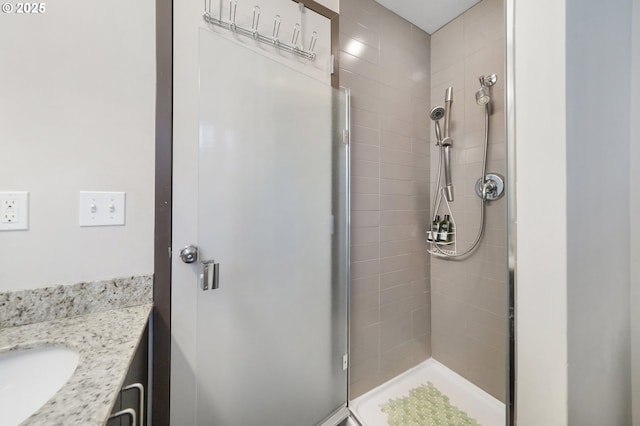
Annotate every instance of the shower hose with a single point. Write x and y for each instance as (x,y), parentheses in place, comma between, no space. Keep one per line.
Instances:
(439,193)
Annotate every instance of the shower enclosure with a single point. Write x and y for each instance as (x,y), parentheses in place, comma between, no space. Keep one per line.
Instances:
(465,276)
(432,393)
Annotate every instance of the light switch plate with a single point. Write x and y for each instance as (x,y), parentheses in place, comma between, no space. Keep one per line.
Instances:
(14,211)
(102,208)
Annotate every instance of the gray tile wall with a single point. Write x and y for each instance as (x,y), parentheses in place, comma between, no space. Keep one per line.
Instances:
(468,298)
(385,61)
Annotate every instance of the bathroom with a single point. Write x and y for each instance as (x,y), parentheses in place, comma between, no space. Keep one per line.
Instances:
(89,107)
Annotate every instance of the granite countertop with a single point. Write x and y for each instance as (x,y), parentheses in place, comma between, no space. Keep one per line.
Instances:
(106,342)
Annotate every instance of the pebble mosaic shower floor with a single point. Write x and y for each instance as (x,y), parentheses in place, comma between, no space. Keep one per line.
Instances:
(425,406)
(428,395)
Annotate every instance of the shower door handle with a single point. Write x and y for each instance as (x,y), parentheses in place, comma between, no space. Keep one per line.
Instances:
(210,269)
(209,280)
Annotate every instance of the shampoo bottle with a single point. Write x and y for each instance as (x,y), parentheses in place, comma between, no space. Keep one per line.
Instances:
(434,233)
(445,226)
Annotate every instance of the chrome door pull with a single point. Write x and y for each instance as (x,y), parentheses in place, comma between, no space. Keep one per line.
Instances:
(189,254)
(140,389)
(128,412)
(210,275)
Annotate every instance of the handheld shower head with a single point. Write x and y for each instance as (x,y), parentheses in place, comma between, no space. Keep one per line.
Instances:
(437,112)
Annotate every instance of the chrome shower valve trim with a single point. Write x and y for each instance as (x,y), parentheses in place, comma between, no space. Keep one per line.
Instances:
(490,188)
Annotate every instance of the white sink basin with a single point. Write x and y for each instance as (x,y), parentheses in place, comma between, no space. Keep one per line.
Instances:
(30,377)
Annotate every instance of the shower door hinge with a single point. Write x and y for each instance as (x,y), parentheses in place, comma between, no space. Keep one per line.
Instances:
(345,136)
(345,361)
(332,65)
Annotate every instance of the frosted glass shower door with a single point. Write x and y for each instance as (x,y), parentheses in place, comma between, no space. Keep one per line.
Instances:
(272,215)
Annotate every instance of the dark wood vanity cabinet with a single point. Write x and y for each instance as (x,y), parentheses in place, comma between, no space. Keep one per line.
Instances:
(129,397)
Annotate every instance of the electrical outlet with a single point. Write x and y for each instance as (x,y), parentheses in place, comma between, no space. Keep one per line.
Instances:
(14,211)
(9,211)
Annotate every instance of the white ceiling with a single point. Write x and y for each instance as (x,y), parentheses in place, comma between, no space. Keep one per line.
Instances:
(429,15)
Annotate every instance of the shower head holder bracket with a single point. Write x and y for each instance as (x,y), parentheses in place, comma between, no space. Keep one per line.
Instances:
(488,80)
(446,142)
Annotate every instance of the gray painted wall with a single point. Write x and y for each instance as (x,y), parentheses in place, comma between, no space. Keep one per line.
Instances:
(541,247)
(77,114)
(635,212)
(598,79)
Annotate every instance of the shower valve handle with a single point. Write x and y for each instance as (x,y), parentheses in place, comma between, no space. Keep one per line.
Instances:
(490,187)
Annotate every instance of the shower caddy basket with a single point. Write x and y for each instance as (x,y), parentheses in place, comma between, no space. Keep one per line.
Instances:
(442,248)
